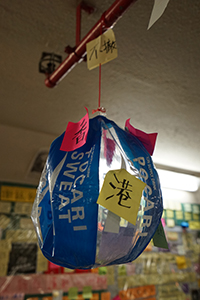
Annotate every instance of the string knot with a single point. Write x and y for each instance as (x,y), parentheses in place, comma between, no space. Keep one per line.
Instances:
(99,109)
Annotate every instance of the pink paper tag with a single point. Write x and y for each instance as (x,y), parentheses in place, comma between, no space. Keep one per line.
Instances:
(76,134)
(147,139)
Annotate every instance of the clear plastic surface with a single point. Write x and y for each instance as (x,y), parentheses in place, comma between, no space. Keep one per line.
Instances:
(118,247)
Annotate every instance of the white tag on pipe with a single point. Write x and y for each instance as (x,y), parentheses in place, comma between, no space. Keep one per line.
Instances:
(158,9)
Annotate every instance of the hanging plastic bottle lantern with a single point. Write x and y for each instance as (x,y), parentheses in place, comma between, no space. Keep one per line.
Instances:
(98,204)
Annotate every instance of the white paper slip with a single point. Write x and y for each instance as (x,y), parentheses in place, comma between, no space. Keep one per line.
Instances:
(112,223)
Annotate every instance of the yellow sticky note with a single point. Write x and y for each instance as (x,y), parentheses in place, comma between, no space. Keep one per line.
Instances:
(101,50)
(121,194)
(181,262)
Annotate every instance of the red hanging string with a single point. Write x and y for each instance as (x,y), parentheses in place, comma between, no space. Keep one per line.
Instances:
(100,109)
(99,102)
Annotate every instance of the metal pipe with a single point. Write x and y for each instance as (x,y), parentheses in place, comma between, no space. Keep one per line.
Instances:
(108,19)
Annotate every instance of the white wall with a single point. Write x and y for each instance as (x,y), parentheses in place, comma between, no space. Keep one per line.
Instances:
(173,198)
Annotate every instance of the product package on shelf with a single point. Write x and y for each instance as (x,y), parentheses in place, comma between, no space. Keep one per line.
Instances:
(18,241)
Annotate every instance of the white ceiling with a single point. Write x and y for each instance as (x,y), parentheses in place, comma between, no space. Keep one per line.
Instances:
(154,81)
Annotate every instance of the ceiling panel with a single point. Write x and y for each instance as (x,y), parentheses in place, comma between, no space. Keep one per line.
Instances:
(154,81)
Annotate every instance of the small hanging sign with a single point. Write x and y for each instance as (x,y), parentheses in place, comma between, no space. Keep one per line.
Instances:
(101,50)
(76,134)
(121,194)
(158,9)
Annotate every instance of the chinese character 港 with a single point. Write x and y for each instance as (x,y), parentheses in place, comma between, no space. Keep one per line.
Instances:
(123,194)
